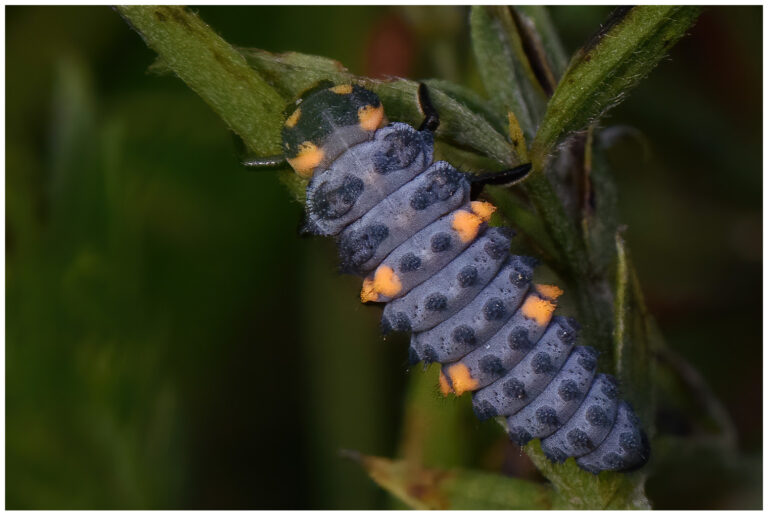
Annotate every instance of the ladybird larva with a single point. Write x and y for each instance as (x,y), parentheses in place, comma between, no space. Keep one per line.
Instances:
(411,228)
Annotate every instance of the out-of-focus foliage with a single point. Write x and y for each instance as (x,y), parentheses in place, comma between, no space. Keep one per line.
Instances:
(171,343)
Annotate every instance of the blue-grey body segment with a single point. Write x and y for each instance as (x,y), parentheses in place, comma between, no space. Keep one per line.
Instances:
(530,376)
(478,320)
(624,448)
(556,404)
(433,193)
(425,253)
(445,293)
(364,175)
(589,425)
(500,353)
(460,292)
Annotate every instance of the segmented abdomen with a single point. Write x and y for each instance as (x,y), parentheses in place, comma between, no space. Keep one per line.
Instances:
(407,224)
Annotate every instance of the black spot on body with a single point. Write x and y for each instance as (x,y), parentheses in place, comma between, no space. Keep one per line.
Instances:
(468,276)
(520,277)
(613,461)
(409,262)
(566,335)
(332,203)
(441,185)
(514,388)
(496,250)
(568,390)
(547,416)
(610,389)
(357,247)
(398,322)
(484,410)
(580,440)
(587,361)
(429,355)
(519,341)
(555,455)
(630,442)
(436,302)
(494,310)
(596,416)
(491,365)
(520,436)
(464,335)
(440,242)
(400,149)
(542,363)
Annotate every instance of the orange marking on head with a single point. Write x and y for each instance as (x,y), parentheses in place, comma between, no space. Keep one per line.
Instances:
(483,209)
(370,117)
(539,309)
(461,379)
(368,292)
(309,156)
(292,120)
(342,89)
(549,291)
(445,387)
(386,281)
(466,224)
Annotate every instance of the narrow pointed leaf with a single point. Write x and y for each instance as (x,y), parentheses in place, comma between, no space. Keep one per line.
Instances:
(538,17)
(632,338)
(578,489)
(214,70)
(626,49)
(506,77)
(422,488)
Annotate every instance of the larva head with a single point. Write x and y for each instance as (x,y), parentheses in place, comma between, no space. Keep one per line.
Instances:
(326,121)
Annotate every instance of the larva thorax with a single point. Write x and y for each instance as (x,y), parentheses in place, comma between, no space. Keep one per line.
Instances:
(408,226)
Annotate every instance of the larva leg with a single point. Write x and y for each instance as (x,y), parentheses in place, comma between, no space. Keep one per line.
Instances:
(503,177)
(431,117)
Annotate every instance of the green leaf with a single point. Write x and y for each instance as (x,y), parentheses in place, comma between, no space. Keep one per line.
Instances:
(544,30)
(578,489)
(632,338)
(508,79)
(625,50)
(422,488)
(214,70)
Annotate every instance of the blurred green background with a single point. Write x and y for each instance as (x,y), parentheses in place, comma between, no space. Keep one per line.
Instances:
(172,343)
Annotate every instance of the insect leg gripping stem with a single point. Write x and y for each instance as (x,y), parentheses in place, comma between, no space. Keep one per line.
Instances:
(504,177)
(431,117)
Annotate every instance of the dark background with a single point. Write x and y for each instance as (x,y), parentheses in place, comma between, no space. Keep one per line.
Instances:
(172,343)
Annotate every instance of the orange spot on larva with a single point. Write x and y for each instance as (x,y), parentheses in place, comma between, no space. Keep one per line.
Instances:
(368,292)
(461,379)
(308,157)
(445,387)
(538,308)
(342,89)
(370,117)
(292,120)
(483,209)
(466,224)
(549,291)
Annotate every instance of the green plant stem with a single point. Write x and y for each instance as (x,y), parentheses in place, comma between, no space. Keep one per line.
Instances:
(214,70)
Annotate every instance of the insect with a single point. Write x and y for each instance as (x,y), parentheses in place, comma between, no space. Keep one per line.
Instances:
(416,232)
